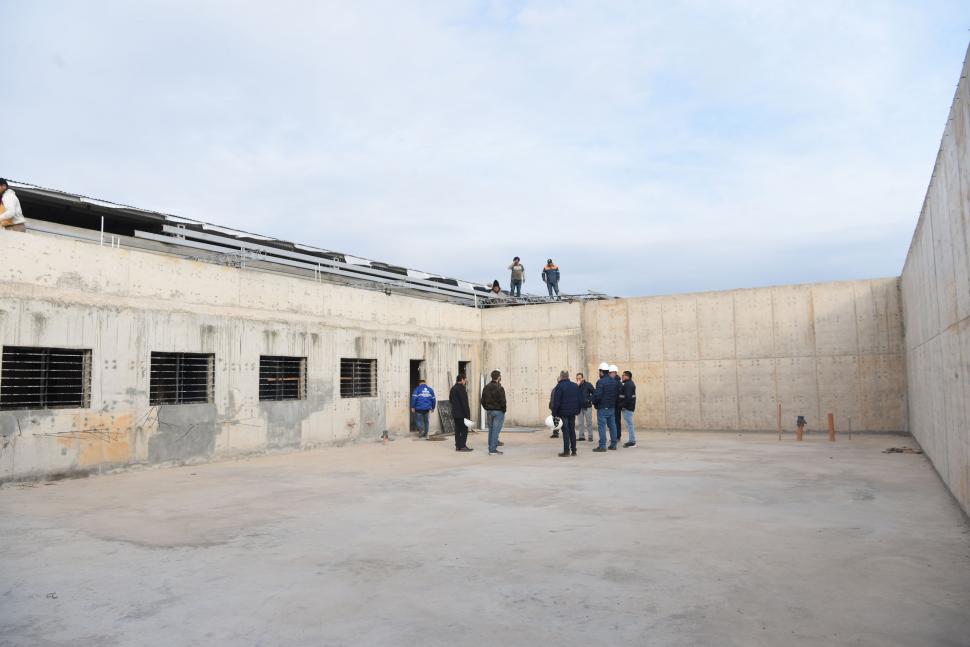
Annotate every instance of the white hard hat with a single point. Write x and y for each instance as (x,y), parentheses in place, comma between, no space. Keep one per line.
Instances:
(469,423)
(613,368)
(604,366)
(554,423)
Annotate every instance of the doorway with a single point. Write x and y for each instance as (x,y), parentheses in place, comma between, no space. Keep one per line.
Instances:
(417,374)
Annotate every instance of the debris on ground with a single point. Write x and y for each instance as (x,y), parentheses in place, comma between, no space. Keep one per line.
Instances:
(902,450)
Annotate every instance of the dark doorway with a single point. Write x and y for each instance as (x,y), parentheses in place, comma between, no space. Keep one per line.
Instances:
(417,374)
(464,368)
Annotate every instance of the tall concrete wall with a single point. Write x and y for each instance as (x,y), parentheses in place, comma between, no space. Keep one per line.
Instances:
(125,304)
(702,361)
(530,345)
(936,306)
(725,360)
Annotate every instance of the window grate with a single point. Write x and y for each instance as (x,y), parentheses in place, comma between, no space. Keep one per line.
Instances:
(45,378)
(282,378)
(181,378)
(358,378)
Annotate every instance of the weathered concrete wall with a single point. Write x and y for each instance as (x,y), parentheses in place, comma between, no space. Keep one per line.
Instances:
(530,345)
(725,360)
(936,306)
(125,304)
(702,361)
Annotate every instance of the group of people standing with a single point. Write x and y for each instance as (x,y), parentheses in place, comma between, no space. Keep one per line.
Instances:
(550,276)
(614,397)
(423,402)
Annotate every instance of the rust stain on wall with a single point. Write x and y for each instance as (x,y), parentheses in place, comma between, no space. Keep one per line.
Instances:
(100,439)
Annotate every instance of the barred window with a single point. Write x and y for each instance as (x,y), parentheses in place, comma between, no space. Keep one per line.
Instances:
(358,378)
(45,378)
(282,378)
(181,378)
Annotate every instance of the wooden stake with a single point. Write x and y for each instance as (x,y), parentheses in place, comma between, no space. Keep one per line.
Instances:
(831,428)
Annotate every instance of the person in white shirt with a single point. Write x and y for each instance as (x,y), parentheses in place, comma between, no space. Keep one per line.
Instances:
(11,215)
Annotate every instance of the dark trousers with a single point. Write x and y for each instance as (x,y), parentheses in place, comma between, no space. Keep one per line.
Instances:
(461,433)
(619,427)
(568,433)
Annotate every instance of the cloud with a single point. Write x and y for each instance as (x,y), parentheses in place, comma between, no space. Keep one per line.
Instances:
(648,147)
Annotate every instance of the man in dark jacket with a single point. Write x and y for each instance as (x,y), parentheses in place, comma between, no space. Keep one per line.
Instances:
(422,404)
(628,402)
(604,399)
(565,405)
(586,391)
(493,401)
(550,276)
(555,426)
(459,411)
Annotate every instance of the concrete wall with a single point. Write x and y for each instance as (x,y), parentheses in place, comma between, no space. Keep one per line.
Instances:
(936,306)
(125,304)
(702,361)
(725,360)
(530,345)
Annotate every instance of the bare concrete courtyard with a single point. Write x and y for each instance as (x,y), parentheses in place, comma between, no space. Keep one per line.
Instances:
(691,539)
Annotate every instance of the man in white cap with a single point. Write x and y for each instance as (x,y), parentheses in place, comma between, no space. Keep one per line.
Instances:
(604,399)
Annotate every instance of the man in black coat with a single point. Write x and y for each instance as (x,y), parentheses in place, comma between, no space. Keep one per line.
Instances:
(628,404)
(458,397)
(565,406)
(495,405)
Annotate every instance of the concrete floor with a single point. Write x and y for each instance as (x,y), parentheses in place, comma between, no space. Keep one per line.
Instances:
(691,539)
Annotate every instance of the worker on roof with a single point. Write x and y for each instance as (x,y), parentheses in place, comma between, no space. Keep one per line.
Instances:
(550,276)
(517,278)
(11,215)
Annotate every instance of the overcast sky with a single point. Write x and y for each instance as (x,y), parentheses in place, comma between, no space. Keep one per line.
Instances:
(648,147)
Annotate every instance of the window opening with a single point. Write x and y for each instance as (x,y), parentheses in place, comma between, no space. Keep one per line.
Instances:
(181,378)
(282,378)
(358,378)
(45,378)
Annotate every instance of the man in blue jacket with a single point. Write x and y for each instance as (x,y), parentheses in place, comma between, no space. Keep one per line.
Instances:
(604,399)
(422,404)
(566,402)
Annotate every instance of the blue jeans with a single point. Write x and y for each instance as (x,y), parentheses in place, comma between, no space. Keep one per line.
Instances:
(628,419)
(516,291)
(422,422)
(552,285)
(606,417)
(494,421)
(585,423)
